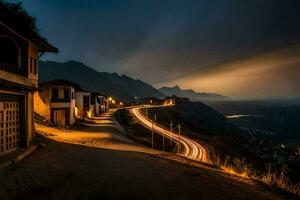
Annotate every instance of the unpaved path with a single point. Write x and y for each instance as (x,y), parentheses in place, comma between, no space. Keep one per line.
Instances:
(105,165)
(105,133)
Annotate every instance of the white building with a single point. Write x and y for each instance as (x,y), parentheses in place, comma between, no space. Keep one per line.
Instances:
(98,104)
(83,104)
(60,95)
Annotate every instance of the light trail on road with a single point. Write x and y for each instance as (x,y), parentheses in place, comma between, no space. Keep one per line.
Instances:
(190,148)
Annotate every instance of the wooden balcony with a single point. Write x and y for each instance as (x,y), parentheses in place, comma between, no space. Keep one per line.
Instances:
(13,69)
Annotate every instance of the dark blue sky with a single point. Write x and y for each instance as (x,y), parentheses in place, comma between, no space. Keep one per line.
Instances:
(167,41)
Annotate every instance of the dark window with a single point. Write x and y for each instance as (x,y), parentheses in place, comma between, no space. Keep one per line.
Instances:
(35,66)
(86,102)
(92,100)
(98,100)
(72,95)
(66,93)
(10,53)
(54,93)
(31,65)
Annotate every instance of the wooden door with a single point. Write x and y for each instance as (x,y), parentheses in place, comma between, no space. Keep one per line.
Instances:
(59,118)
(9,126)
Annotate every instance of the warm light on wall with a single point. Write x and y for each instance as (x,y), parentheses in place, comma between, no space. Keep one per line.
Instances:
(76,112)
(89,113)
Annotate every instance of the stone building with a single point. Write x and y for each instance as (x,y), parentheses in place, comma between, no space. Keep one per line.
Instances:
(19,54)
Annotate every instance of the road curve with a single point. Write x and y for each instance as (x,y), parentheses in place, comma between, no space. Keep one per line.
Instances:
(189,148)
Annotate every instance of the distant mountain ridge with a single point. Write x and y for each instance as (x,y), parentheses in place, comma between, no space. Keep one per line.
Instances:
(122,87)
(191,94)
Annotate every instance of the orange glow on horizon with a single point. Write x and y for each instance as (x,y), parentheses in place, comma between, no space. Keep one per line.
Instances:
(253,77)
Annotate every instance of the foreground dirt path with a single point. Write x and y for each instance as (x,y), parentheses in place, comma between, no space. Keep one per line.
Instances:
(105,133)
(108,166)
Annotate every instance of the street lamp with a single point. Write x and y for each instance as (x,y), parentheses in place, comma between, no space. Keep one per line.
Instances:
(110,99)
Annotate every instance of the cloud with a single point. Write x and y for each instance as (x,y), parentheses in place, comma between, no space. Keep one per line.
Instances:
(273,74)
(205,45)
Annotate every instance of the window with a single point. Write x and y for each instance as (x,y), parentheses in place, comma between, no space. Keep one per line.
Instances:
(92,100)
(66,93)
(33,65)
(73,95)
(86,102)
(54,93)
(9,54)
(30,65)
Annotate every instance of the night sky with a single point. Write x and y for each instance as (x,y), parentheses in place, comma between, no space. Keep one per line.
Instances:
(238,48)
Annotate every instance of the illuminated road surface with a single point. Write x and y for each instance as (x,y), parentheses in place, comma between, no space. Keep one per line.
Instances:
(188,148)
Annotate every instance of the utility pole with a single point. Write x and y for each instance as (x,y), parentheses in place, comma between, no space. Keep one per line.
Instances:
(163,141)
(171,130)
(178,138)
(153,131)
(152,135)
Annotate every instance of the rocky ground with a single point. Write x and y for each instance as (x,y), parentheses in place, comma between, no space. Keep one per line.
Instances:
(98,162)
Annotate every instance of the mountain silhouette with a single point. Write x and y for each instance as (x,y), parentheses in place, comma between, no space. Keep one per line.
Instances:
(110,84)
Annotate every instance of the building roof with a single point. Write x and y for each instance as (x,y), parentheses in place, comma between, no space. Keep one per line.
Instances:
(60,82)
(14,18)
(98,94)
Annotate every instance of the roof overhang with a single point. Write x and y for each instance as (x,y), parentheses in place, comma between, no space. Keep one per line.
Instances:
(41,43)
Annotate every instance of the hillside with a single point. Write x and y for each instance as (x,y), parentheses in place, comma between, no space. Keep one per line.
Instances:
(191,94)
(196,117)
(122,87)
(201,122)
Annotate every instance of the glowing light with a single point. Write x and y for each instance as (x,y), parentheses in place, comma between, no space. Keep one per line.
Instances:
(113,101)
(121,103)
(230,170)
(109,98)
(169,102)
(76,112)
(89,113)
(190,148)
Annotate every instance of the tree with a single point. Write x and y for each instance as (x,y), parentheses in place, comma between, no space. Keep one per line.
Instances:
(17,18)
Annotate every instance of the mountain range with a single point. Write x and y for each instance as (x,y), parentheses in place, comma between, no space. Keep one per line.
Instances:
(191,94)
(111,84)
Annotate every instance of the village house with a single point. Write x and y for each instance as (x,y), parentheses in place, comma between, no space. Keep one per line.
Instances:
(59,99)
(98,104)
(103,103)
(19,54)
(83,104)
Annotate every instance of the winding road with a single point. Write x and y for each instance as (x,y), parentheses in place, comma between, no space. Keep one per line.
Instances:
(189,148)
